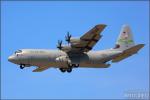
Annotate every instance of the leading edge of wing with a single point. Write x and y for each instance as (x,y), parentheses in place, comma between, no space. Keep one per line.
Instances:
(95,30)
(90,38)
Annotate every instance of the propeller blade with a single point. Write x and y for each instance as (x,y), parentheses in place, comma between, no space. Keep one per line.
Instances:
(68,37)
(59,46)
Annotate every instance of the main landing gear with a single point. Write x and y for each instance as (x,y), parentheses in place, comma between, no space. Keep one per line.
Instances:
(65,69)
(69,69)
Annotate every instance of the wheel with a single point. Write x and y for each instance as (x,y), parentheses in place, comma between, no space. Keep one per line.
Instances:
(21,67)
(76,65)
(62,70)
(73,65)
(69,70)
(70,65)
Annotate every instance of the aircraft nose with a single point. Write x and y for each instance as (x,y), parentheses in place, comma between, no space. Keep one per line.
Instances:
(11,58)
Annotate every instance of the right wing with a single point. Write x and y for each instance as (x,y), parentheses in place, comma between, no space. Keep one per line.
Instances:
(89,39)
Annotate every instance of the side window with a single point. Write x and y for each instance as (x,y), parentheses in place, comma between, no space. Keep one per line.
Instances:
(19,51)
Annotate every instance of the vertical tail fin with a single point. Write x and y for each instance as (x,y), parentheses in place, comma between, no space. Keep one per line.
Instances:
(125,39)
(125,43)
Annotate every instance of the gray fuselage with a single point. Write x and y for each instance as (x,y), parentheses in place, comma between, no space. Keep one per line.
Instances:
(60,59)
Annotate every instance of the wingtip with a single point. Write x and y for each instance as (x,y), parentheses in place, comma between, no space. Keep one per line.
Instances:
(101,25)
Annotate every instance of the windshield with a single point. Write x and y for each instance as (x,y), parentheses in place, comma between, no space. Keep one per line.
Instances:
(18,51)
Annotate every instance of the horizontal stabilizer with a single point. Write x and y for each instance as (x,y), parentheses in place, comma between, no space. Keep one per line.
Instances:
(128,52)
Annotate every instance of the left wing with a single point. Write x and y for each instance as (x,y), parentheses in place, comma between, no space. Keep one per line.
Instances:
(89,39)
(40,69)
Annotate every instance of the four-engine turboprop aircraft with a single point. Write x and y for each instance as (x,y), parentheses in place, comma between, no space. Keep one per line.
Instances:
(77,53)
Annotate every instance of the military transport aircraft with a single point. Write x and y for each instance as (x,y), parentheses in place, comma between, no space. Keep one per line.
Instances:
(77,52)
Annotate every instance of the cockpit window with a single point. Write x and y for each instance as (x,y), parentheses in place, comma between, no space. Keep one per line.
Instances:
(18,51)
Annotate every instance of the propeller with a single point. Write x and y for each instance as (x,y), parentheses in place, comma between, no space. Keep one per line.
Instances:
(68,37)
(59,46)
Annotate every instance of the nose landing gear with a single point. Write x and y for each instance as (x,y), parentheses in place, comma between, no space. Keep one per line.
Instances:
(22,66)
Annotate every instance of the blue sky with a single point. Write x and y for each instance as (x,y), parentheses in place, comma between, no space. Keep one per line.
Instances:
(29,24)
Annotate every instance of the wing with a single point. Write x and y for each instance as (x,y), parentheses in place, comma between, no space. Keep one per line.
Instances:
(89,39)
(41,68)
(88,65)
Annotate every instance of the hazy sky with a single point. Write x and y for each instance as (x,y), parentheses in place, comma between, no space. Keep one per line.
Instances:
(29,24)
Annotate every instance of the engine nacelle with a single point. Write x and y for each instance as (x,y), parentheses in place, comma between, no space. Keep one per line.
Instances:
(74,40)
(66,48)
(63,59)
